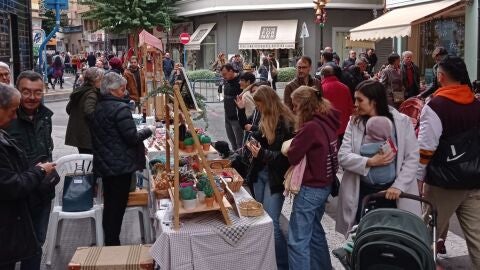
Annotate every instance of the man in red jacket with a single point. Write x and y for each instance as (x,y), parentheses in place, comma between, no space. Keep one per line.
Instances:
(339,95)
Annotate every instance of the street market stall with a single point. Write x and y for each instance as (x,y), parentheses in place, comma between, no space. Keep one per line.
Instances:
(204,218)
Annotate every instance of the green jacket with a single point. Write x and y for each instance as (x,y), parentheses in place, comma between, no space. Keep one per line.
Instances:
(33,136)
(81,107)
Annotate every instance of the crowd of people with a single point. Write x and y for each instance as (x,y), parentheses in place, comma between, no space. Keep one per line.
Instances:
(326,121)
(335,119)
(100,123)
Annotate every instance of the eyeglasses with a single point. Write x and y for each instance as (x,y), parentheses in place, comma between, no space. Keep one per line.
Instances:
(6,74)
(302,67)
(36,94)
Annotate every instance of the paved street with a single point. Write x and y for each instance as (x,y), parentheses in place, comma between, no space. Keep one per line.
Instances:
(78,233)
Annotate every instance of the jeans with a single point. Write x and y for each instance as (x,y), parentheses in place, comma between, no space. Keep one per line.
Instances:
(40,215)
(307,244)
(234,133)
(115,198)
(272,203)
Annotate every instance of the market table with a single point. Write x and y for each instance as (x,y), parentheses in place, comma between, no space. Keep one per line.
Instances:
(205,242)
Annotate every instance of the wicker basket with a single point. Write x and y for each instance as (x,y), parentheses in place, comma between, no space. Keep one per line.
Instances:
(250,208)
(162,194)
(237,181)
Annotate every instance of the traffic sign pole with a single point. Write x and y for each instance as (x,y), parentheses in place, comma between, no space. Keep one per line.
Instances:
(184,39)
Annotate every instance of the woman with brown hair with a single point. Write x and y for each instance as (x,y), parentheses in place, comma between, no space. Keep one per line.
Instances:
(316,139)
(269,165)
(217,67)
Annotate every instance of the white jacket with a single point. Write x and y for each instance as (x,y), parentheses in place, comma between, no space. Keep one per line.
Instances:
(355,165)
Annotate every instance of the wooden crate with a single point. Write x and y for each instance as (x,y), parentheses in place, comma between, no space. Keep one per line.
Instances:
(135,257)
(138,198)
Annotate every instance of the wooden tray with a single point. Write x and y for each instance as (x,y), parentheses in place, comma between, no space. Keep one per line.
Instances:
(201,207)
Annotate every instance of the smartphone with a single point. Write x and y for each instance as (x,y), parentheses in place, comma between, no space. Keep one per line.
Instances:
(253,141)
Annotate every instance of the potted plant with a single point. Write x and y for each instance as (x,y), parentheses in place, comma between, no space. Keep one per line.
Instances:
(201,183)
(205,141)
(209,199)
(188,143)
(188,197)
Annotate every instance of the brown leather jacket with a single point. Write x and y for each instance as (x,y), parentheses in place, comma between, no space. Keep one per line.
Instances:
(132,86)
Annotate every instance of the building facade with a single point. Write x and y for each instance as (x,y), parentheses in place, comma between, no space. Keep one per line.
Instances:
(16,35)
(422,25)
(257,28)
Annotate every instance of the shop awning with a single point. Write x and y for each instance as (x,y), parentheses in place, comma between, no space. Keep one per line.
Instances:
(365,44)
(398,22)
(275,34)
(199,35)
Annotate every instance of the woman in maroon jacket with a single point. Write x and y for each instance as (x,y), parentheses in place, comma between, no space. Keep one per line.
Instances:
(316,139)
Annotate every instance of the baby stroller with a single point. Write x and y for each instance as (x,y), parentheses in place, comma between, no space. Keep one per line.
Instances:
(391,239)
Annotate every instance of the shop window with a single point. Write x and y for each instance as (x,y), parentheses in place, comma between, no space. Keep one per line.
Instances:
(208,50)
(448,33)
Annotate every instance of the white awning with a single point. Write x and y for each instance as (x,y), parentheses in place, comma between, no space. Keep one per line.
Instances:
(275,34)
(365,44)
(199,35)
(398,22)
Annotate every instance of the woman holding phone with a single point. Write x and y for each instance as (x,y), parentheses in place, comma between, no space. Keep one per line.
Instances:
(276,125)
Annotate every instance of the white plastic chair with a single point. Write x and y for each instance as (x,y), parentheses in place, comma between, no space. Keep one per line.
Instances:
(66,165)
(143,214)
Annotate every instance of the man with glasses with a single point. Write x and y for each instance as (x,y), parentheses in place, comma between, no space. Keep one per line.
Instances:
(4,73)
(302,77)
(32,130)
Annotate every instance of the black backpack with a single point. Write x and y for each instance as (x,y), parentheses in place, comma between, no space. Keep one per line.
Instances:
(456,162)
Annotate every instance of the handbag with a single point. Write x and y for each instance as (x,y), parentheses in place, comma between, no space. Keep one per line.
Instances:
(274,71)
(78,191)
(294,177)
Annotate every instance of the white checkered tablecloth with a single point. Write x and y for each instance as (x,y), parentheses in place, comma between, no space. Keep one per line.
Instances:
(204,242)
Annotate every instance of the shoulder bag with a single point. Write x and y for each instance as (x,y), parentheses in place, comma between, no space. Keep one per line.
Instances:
(456,162)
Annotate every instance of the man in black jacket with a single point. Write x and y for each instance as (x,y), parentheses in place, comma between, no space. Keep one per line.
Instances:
(118,152)
(18,180)
(231,91)
(32,130)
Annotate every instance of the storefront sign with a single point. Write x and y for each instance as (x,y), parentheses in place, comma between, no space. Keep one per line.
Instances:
(268,32)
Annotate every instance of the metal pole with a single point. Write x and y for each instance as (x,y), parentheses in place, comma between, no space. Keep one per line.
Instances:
(184,57)
(303,45)
(478,40)
(321,36)
(44,43)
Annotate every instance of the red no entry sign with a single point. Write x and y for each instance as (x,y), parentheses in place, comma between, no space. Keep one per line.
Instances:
(184,38)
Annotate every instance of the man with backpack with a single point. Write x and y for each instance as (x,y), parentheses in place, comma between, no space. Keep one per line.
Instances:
(449,141)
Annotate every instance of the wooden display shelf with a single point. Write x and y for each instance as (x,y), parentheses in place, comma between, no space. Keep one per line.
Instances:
(201,207)
(182,153)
